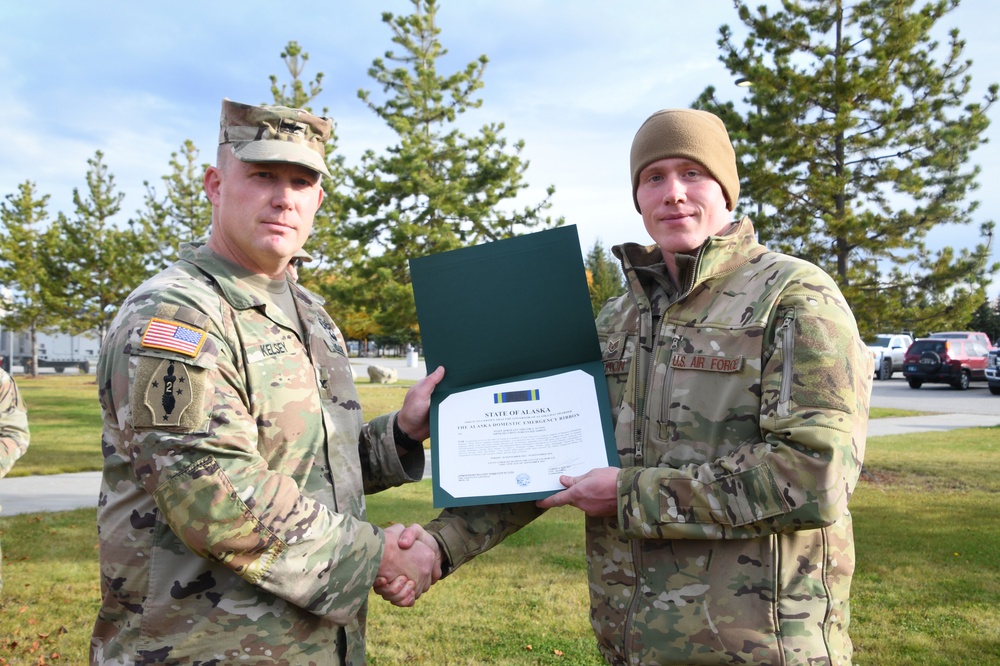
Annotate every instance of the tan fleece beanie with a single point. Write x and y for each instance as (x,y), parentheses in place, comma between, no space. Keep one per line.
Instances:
(696,135)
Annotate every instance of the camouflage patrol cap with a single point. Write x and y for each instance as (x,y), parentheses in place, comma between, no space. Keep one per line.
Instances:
(275,134)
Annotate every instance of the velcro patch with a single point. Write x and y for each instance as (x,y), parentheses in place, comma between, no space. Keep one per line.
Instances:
(706,363)
(173,336)
(167,390)
(615,346)
(619,366)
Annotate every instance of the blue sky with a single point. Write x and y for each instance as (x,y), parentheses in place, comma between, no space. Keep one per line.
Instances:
(574,80)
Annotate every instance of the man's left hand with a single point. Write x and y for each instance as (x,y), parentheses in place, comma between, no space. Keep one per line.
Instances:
(413,416)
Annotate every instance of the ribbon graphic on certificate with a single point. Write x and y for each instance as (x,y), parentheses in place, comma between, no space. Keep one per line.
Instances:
(524,398)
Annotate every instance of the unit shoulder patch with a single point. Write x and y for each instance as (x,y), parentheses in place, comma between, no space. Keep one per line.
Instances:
(167,393)
(173,336)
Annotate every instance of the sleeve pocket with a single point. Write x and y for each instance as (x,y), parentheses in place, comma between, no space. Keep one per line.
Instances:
(733,500)
(820,367)
(205,511)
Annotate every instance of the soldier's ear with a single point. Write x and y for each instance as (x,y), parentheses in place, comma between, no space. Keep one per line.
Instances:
(213,184)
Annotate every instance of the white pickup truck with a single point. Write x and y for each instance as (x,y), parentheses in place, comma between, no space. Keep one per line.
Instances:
(888,350)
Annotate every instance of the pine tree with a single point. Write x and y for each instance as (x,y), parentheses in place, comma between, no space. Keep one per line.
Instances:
(438,188)
(858,144)
(184,214)
(326,244)
(332,253)
(22,265)
(297,98)
(604,276)
(101,263)
(987,320)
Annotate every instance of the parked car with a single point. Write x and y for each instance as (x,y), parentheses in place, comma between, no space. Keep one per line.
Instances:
(954,361)
(993,371)
(978,336)
(889,350)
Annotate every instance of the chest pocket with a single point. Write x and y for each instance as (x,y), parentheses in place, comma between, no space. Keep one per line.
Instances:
(333,370)
(709,394)
(281,387)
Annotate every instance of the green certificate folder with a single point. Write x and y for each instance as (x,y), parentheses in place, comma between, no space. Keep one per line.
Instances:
(524,397)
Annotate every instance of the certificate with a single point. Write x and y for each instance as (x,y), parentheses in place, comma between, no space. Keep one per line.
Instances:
(524,398)
(518,437)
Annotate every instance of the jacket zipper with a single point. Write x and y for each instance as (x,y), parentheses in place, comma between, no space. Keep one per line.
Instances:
(641,416)
(668,379)
(786,338)
(639,435)
(637,462)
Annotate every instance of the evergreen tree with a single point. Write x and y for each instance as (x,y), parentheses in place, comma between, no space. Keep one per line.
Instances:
(22,265)
(437,189)
(331,251)
(297,98)
(604,276)
(102,264)
(857,146)
(184,213)
(987,320)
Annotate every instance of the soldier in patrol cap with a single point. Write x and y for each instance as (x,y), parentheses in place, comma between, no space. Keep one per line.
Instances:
(14,435)
(232,516)
(739,389)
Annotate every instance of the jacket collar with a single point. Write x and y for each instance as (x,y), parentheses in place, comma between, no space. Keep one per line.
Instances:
(717,255)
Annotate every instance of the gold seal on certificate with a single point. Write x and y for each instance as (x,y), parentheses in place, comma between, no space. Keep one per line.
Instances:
(524,398)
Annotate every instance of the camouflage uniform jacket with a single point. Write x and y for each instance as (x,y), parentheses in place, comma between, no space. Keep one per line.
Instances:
(231,513)
(13,424)
(740,420)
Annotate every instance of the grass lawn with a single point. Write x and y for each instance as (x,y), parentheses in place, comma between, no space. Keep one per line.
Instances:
(887,412)
(926,590)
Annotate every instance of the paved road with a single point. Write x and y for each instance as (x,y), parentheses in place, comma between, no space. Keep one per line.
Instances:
(897,393)
(950,409)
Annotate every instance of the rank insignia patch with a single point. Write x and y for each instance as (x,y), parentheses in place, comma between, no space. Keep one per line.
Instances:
(173,336)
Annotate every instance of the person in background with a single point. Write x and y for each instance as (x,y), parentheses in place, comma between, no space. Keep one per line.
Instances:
(739,388)
(231,515)
(14,434)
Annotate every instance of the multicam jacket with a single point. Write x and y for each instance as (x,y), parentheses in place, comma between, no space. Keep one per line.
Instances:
(14,434)
(740,419)
(231,513)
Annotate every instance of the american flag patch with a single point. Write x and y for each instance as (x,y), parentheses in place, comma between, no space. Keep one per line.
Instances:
(173,336)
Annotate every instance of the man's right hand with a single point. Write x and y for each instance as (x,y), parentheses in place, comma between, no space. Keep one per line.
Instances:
(403,589)
(411,563)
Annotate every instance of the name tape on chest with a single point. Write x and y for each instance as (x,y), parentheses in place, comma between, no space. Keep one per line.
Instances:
(619,366)
(265,350)
(174,336)
(706,363)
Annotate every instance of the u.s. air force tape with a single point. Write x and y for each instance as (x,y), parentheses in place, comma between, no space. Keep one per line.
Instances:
(706,363)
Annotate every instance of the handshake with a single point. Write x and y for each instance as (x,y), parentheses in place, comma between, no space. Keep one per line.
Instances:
(411,563)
